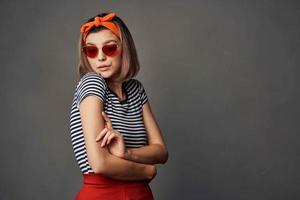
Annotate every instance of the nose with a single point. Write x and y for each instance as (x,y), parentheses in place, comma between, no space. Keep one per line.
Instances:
(101,55)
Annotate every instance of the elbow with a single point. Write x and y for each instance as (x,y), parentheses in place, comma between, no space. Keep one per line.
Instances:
(164,156)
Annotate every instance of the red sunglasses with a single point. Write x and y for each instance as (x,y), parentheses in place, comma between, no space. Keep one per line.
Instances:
(92,51)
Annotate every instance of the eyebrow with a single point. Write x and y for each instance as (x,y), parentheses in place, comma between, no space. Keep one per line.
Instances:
(107,41)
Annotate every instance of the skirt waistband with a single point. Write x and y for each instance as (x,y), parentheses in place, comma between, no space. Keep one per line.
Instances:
(99,179)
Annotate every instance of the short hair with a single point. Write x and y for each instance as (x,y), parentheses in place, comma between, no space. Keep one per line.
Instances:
(130,64)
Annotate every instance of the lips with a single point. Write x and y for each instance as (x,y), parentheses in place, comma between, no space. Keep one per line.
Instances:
(103,66)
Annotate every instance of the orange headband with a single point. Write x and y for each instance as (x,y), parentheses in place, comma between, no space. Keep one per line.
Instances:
(100,21)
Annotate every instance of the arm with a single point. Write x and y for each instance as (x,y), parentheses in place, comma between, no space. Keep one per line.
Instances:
(156,151)
(99,158)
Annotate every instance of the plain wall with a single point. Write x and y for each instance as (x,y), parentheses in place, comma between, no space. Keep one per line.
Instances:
(221,78)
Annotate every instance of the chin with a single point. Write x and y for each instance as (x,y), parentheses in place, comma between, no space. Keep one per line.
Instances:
(105,74)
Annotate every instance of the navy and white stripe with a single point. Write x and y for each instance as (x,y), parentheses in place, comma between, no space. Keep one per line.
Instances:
(126,115)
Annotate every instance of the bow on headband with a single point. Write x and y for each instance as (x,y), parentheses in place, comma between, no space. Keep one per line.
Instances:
(100,21)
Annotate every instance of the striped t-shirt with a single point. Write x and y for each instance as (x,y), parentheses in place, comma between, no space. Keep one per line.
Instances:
(126,115)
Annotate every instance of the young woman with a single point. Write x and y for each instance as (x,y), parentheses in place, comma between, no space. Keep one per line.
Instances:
(115,137)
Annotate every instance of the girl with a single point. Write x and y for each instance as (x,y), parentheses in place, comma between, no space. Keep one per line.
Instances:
(115,137)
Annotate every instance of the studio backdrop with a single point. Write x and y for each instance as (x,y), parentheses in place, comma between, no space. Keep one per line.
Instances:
(222,78)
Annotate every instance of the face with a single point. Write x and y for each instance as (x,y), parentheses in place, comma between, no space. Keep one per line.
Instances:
(109,66)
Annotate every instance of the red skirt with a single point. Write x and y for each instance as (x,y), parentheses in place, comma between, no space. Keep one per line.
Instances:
(99,187)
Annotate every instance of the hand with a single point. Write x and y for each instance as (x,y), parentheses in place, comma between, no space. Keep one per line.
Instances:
(112,138)
(152,172)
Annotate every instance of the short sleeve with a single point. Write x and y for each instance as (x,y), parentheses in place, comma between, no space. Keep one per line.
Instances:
(91,84)
(143,93)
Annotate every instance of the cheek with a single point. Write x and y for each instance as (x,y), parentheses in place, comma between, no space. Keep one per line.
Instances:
(117,61)
(92,62)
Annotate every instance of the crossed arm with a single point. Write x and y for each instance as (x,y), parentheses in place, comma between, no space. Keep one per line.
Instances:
(154,153)
(139,162)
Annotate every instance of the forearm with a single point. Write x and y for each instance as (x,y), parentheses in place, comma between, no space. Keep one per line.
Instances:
(122,169)
(149,154)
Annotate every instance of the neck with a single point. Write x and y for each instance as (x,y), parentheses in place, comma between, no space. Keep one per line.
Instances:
(116,86)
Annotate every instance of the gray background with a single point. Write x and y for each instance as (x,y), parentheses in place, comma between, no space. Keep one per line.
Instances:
(221,77)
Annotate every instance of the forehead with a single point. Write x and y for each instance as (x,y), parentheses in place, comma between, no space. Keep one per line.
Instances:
(101,37)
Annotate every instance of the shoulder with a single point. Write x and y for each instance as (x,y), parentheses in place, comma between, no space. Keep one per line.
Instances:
(138,85)
(91,78)
(136,82)
(91,84)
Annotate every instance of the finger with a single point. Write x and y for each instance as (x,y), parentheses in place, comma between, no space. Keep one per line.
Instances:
(107,120)
(101,134)
(112,136)
(105,138)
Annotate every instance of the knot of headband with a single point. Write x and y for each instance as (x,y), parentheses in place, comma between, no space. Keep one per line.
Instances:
(100,21)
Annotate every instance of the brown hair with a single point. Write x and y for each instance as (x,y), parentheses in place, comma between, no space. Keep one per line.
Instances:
(130,63)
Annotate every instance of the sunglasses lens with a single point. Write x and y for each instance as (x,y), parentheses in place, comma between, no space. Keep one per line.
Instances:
(110,50)
(90,51)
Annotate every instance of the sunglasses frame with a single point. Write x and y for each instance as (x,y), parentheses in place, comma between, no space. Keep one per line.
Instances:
(117,50)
